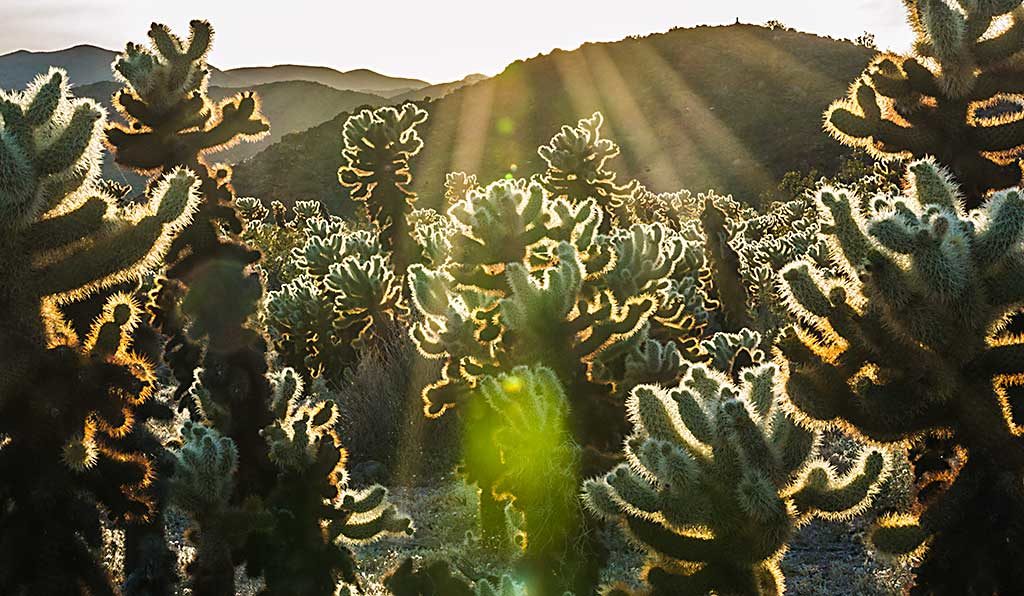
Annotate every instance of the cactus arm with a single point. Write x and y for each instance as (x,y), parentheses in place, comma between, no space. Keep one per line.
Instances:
(822,492)
(665,541)
(388,521)
(63,229)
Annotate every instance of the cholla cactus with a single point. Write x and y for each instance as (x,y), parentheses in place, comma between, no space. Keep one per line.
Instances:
(210,291)
(203,485)
(718,477)
(955,97)
(346,295)
(576,160)
(765,243)
(673,209)
(457,185)
(378,146)
(316,518)
(171,119)
(905,343)
(520,449)
(70,405)
(276,240)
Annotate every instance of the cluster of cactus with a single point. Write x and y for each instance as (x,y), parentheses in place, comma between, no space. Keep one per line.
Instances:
(72,409)
(956,97)
(276,234)
(675,209)
(346,294)
(519,277)
(718,476)
(904,341)
(297,536)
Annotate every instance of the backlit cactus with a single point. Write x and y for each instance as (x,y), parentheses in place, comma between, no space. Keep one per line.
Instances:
(378,146)
(526,281)
(305,550)
(71,408)
(576,161)
(205,300)
(905,343)
(718,476)
(345,296)
(956,97)
(520,450)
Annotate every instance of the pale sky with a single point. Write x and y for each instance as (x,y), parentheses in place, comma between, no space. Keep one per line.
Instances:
(437,40)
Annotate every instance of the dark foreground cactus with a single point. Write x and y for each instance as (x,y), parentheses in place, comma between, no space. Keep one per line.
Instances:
(905,345)
(71,408)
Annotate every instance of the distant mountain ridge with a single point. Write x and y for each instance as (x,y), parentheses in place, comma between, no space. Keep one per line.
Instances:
(363,80)
(88,64)
(729,107)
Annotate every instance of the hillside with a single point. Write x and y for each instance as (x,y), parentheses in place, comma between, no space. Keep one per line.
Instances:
(731,107)
(85,64)
(436,91)
(363,80)
(291,106)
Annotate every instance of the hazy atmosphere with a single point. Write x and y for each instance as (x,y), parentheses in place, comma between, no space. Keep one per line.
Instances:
(435,41)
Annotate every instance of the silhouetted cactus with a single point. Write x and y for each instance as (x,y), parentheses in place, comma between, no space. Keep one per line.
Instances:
(69,405)
(904,343)
(576,169)
(305,551)
(718,477)
(954,97)
(210,291)
(378,146)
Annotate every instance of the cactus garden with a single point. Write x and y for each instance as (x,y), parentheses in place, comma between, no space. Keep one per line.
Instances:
(560,372)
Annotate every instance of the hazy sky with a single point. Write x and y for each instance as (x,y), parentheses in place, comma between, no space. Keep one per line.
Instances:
(435,40)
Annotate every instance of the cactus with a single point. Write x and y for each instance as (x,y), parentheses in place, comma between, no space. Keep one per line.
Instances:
(673,209)
(576,161)
(205,300)
(717,479)
(378,146)
(316,517)
(72,408)
(521,452)
(202,485)
(457,185)
(528,290)
(276,238)
(345,298)
(903,344)
(954,97)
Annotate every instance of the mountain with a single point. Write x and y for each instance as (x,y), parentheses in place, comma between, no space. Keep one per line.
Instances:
(85,64)
(88,64)
(290,106)
(366,81)
(435,91)
(731,108)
